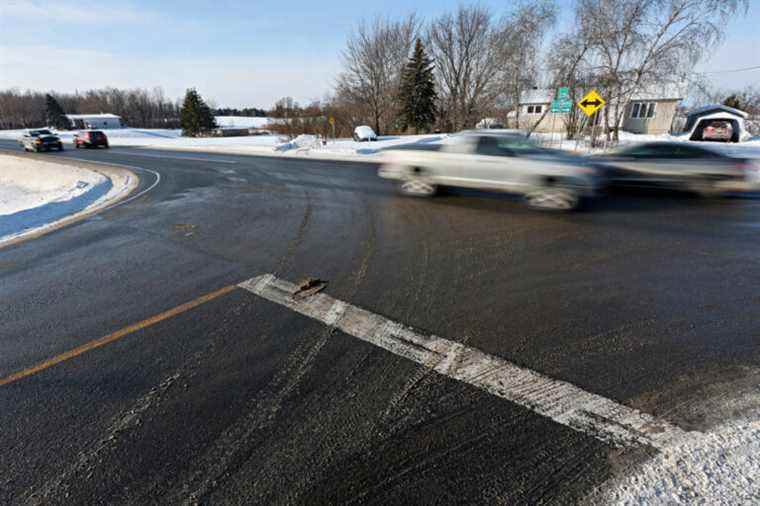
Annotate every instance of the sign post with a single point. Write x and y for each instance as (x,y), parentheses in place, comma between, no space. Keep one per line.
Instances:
(561,102)
(560,105)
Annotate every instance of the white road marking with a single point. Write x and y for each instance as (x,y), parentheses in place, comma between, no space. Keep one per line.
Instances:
(139,169)
(592,414)
(194,158)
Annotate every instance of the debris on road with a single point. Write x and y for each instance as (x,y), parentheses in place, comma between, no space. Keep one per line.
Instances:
(308,287)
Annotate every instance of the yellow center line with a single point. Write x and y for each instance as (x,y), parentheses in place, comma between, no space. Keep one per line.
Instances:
(115,336)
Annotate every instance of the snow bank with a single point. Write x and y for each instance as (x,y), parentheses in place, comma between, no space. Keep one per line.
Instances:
(36,195)
(25,184)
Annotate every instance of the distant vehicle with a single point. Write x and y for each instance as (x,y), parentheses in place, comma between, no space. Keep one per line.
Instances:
(548,179)
(364,133)
(40,140)
(681,166)
(717,131)
(91,139)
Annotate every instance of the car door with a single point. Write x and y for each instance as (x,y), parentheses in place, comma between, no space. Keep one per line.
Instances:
(648,164)
(485,166)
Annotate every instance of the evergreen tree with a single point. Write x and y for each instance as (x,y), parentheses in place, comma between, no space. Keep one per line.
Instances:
(733,101)
(417,91)
(195,116)
(54,113)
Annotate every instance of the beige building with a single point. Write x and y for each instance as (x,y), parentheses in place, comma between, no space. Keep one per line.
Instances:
(648,112)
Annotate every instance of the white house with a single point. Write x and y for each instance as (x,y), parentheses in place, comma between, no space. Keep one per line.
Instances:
(649,111)
(83,121)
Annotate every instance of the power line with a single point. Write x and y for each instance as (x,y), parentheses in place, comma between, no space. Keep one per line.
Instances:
(757,67)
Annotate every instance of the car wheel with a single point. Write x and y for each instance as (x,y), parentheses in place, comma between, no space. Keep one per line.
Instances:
(553,198)
(76,145)
(417,188)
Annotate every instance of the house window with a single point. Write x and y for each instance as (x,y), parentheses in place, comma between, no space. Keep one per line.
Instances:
(535,109)
(642,110)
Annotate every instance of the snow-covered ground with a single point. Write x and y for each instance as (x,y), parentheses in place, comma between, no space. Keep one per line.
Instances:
(243,122)
(306,146)
(24,184)
(36,194)
(721,467)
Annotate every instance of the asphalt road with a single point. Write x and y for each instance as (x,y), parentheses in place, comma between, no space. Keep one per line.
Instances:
(647,299)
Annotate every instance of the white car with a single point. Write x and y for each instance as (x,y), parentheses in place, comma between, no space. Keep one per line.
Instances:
(548,179)
(364,133)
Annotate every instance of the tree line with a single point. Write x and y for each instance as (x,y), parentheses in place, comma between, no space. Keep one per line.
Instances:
(139,108)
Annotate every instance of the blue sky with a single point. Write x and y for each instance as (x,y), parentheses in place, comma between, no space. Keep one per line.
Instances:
(234,52)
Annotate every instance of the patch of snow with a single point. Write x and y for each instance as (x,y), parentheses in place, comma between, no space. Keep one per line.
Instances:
(722,467)
(25,184)
(37,196)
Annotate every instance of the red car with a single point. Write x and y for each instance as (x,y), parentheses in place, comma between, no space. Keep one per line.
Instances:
(90,139)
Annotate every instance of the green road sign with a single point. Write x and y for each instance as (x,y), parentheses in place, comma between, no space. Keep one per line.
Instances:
(562,102)
(561,106)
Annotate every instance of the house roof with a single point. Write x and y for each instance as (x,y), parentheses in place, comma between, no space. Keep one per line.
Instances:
(667,91)
(93,116)
(536,96)
(707,109)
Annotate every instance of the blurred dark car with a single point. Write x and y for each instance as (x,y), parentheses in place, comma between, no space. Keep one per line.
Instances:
(681,166)
(40,140)
(91,139)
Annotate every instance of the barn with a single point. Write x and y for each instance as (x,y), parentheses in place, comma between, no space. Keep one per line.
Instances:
(100,121)
(703,120)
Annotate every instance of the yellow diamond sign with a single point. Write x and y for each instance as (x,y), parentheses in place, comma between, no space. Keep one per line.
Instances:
(591,103)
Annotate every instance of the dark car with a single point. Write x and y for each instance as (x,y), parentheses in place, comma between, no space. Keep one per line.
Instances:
(40,140)
(681,166)
(91,139)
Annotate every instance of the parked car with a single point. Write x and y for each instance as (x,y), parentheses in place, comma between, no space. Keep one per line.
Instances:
(548,179)
(40,140)
(718,131)
(364,133)
(681,166)
(91,139)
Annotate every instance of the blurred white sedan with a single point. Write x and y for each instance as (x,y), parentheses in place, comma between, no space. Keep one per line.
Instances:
(548,179)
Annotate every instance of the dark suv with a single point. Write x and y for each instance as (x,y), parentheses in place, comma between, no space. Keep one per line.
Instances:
(90,139)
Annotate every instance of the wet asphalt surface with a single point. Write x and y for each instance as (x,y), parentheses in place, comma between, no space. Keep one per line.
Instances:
(648,298)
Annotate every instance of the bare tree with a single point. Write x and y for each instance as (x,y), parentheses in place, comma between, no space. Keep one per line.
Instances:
(465,50)
(373,59)
(519,40)
(640,43)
